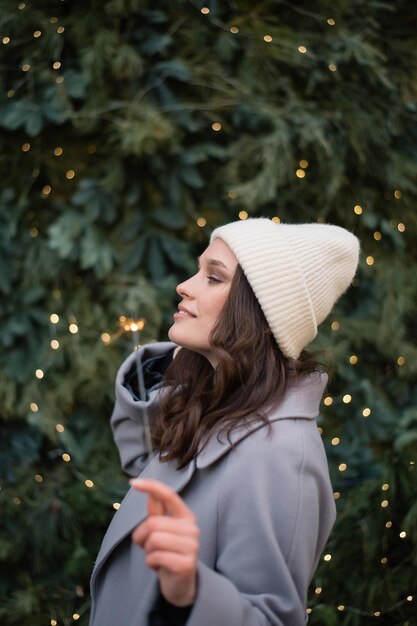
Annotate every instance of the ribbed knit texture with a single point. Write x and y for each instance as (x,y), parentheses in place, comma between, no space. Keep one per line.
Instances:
(297,272)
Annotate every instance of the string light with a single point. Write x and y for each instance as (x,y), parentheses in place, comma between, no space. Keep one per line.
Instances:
(232,194)
(116,505)
(205,10)
(75,616)
(37,34)
(26,147)
(267,38)
(403,534)
(216,126)
(243,215)
(34,232)
(21,5)
(54,318)
(89,484)
(105,338)
(39,374)
(318,590)
(25,67)
(341,607)
(335,441)
(336,495)
(384,560)
(342,467)
(66,457)
(385,487)
(34,407)
(6,40)
(58,151)
(366,412)
(328,400)
(370,260)
(353,359)
(54,344)
(54,622)
(397,194)
(331,21)
(401,227)
(60,30)
(327,557)
(335,325)
(303,163)
(234,30)
(332,67)
(302,49)
(10,93)
(56,65)
(384,504)
(17,500)
(201,222)
(38,478)
(300,173)
(358,209)
(377,235)
(276,220)
(46,190)
(401,361)
(73,328)
(59,428)
(347,398)
(388,525)
(53,20)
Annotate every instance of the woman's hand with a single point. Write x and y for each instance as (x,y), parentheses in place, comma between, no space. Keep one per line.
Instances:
(170,538)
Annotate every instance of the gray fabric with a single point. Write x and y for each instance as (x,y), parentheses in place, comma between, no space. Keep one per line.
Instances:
(265,510)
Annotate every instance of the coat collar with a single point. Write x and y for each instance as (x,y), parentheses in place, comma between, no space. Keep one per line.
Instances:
(301,400)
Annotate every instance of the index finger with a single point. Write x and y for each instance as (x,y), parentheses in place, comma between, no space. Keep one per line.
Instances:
(171,501)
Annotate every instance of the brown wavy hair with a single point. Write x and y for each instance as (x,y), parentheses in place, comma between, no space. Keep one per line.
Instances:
(252,373)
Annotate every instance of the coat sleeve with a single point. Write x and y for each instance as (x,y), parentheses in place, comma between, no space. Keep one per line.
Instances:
(275,514)
(127,420)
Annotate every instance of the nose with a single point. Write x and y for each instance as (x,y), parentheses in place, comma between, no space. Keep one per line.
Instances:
(184,289)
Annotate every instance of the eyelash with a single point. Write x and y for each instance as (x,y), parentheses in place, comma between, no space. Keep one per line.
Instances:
(213,280)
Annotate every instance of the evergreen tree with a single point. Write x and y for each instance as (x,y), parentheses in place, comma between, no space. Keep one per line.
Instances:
(128,130)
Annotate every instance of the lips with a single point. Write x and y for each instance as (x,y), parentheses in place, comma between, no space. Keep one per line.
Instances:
(182,311)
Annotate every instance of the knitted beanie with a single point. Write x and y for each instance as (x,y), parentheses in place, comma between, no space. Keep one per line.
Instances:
(297,272)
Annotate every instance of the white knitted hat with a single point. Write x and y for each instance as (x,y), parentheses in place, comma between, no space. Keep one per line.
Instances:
(297,272)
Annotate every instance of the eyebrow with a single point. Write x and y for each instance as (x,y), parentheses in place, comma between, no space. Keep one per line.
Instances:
(214,262)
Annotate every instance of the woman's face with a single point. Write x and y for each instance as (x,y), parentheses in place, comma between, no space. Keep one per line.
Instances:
(203,296)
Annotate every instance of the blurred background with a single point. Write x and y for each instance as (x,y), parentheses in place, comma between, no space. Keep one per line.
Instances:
(130,129)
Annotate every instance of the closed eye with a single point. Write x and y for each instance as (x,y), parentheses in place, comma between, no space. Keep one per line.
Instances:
(213,280)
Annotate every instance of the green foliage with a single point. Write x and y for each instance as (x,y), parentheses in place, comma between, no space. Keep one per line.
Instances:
(108,158)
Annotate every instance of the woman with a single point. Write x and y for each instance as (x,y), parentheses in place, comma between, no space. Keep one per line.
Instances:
(226,524)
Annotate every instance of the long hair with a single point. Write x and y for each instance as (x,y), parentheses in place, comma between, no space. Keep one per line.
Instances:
(252,373)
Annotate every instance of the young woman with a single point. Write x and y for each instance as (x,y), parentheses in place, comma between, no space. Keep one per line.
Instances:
(226,523)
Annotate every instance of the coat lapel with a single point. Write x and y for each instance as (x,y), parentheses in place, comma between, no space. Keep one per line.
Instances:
(133,510)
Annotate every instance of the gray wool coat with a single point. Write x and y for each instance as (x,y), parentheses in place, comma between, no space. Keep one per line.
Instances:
(265,509)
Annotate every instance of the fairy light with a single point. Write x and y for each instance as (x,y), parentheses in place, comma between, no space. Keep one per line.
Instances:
(201,222)
(358,209)
(331,21)
(25,67)
(370,260)
(54,344)
(34,232)
(401,361)
(377,235)
(54,318)
(401,227)
(403,534)
(377,613)
(21,6)
(353,359)
(276,220)
(335,441)
(59,428)
(303,163)
(46,190)
(205,10)
(385,487)
(328,400)
(53,20)
(388,525)
(6,40)
(26,147)
(216,126)
(116,505)
(332,67)
(105,338)
(232,195)
(73,328)
(39,374)
(410,598)
(34,407)
(384,560)
(10,93)
(66,457)
(347,398)
(302,49)
(336,495)
(58,151)
(37,34)
(342,467)
(309,610)
(54,622)
(60,30)
(89,483)
(397,194)
(384,504)
(341,607)
(38,478)
(75,616)
(327,557)
(335,325)
(267,38)
(56,294)
(234,30)
(70,174)
(300,173)
(56,65)
(318,590)
(17,500)
(366,412)
(243,215)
